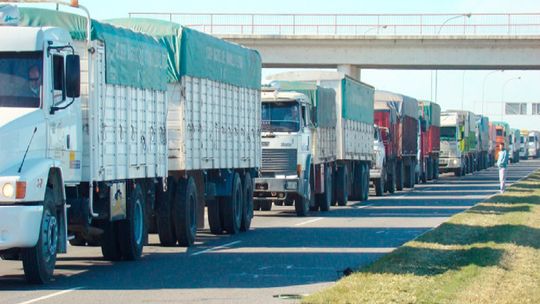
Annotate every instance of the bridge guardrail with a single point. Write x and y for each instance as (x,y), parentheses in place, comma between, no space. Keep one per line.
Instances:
(462,24)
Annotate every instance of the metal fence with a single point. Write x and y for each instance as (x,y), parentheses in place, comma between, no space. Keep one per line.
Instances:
(356,24)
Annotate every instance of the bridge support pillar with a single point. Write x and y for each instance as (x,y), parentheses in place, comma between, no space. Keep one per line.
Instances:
(350,70)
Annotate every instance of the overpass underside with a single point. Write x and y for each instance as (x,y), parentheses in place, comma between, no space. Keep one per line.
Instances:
(396,52)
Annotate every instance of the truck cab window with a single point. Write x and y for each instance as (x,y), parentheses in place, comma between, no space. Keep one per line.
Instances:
(59,78)
(280,117)
(21,79)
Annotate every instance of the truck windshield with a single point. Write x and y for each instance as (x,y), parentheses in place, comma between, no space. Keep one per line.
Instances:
(20,79)
(448,133)
(531,139)
(499,132)
(376,135)
(280,117)
(522,139)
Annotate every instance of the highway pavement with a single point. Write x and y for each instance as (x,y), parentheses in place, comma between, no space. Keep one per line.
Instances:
(283,256)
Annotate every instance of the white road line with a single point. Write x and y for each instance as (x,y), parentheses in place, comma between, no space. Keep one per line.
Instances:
(215,248)
(310,221)
(51,295)
(364,206)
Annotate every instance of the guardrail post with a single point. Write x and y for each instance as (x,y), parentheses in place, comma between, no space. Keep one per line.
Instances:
(293,24)
(335,24)
(252,24)
(211,23)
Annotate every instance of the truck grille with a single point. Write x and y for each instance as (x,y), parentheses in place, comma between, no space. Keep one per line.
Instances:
(278,160)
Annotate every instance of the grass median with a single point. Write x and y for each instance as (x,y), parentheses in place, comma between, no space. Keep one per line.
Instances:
(487,254)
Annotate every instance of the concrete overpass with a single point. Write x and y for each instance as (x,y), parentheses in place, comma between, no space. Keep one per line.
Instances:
(395,52)
(351,42)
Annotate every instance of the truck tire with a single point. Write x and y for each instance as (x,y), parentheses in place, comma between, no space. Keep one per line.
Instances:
(424,171)
(364,188)
(256,205)
(214,216)
(164,217)
(77,240)
(231,207)
(185,212)
(429,169)
(400,176)
(39,261)
(391,178)
(436,168)
(266,205)
(149,190)
(357,183)
(110,246)
(132,230)
(324,200)
(301,204)
(378,183)
(342,180)
(247,210)
(409,175)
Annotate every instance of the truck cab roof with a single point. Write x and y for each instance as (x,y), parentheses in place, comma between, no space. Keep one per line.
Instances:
(23,38)
(277,96)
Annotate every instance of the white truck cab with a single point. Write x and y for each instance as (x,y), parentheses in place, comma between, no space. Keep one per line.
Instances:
(377,172)
(286,151)
(41,136)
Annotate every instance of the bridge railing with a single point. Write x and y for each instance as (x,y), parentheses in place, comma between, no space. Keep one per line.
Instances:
(356,24)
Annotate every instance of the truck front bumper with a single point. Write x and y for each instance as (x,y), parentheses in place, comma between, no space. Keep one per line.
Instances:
(449,163)
(19,226)
(375,173)
(275,189)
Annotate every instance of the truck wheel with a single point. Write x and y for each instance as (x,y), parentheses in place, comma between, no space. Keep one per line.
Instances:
(435,169)
(323,200)
(132,230)
(365,184)
(110,247)
(185,212)
(256,205)
(247,211)
(231,207)
(409,175)
(342,180)
(266,205)
(150,191)
(357,182)
(214,216)
(378,183)
(164,219)
(400,176)
(391,178)
(40,260)
(424,175)
(77,240)
(301,204)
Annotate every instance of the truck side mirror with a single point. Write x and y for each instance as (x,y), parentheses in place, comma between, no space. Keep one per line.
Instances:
(73,76)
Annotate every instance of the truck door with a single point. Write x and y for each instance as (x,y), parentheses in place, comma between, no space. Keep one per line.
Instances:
(64,132)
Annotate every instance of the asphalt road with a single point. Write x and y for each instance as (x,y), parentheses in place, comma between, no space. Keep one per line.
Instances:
(281,255)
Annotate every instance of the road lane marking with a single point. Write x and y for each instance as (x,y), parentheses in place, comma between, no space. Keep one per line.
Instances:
(215,248)
(52,295)
(310,221)
(364,206)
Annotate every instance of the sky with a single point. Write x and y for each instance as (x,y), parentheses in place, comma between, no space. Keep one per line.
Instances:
(455,89)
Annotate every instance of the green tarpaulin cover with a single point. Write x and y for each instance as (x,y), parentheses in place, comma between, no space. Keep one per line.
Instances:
(430,112)
(358,100)
(200,55)
(132,59)
(322,99)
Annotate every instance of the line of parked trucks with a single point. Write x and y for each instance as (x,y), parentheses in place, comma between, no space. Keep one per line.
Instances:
(136,125)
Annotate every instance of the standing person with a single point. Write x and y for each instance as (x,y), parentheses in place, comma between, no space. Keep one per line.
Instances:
(502,163)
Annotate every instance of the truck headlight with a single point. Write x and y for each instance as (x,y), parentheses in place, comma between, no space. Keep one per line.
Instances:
(8,190)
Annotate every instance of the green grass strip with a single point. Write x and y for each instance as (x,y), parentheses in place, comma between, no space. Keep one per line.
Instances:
(487,254)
